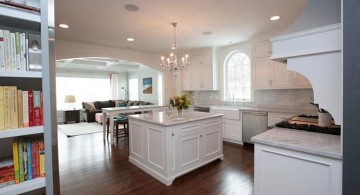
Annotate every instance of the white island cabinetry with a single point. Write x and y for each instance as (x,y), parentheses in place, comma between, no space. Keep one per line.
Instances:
(167,147)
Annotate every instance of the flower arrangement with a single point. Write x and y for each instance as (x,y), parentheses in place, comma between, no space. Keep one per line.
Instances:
(180,102)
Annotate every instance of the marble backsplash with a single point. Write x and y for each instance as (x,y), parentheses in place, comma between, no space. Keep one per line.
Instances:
(275,98)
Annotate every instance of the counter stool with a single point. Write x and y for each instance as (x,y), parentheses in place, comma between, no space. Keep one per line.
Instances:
(118,133)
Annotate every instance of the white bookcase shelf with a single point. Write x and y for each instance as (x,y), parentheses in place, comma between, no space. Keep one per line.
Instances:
(20,14)
(20,74)
(21,131)
(23,187)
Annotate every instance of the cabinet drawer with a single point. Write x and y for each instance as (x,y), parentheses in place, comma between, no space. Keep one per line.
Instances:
(228,113)
(190,129)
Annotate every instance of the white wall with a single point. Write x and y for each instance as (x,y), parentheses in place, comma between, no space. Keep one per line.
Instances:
(70,49)
(123,82)
(154,97)
(317,13)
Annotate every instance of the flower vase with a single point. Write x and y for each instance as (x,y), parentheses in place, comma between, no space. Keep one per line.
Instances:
(180,112)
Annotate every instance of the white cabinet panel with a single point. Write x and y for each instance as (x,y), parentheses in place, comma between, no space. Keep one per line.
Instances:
(187,80)
(156,145)
(136,148)
(274,117)
(299,81)
(190,150)
(212,140)
(261,49)
(232,130)
(261,73)
(280,76)
(281,172)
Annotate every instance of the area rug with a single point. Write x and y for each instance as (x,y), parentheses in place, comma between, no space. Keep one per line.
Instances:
(75,129)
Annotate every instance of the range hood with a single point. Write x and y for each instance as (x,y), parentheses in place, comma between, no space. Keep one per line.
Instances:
(316,53)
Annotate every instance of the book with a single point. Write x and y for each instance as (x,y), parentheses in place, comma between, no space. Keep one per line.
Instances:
(21,163)
(41,108)
(35,63)
(37,108)
(29,159)
(17,50)
(25,108)
(27,51)
(42,158)
(33,158)
(7,171)
(37,157)
(2,112)
(14,123)
(7,50)
(23,51)
(31,107)
(7,183)
(7,107)
(20,108)
(13,51)
(3,176)
(24,153)
(16,160)
(2,51)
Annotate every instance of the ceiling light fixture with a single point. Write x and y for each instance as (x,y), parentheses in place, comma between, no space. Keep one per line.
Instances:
(275,18)
(172,63)
(130,39)
(131,7)
(63,26)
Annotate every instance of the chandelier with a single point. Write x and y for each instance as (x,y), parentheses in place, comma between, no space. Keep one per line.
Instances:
(172,63)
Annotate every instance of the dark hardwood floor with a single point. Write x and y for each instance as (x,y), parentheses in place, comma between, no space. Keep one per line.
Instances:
(90,166)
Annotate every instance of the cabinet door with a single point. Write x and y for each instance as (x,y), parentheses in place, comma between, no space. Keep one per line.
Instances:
(260,49)
(299,80)
(197,79)
(207,78)
(274,117)
(212,139)
(261,73)
(232,130)
(187,80)
(189,151)
(280,76)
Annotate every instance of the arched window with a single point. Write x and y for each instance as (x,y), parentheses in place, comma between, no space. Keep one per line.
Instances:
(237,77)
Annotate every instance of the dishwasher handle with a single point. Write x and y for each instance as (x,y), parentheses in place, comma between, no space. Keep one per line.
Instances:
(255,113)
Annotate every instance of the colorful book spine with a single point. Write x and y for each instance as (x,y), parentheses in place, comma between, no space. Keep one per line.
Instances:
(25,108)
(41,108)
(37,108)
(2,113)
(21,163)
(7,107)
(23,52)
(42,158)
(29,159)
(9,183)
(20,108)
(16,160)
(7,48)
(14,123)
(24,153)
(31,108)
(13,51)
(37,150)
(2,50)
(33,158)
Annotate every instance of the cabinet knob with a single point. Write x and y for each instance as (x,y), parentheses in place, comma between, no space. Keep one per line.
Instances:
(172,134)
(200,136)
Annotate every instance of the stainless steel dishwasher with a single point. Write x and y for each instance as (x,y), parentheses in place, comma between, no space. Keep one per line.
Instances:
(253,123)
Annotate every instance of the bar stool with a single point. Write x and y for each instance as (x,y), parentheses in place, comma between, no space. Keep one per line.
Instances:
(118,133)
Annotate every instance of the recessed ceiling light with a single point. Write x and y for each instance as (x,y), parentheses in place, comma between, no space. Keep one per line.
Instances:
(207,33)
(275,18)
(131,7)
(63,26)
(130,39)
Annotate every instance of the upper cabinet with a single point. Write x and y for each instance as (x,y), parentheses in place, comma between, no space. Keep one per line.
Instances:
(270,74)
(202,74)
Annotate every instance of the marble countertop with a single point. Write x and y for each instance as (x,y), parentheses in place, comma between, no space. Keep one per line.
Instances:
(162,118)
(303,141)
(279,110)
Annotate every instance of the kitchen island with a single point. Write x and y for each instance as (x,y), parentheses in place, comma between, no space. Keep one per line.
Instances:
(297,162)
(167,146)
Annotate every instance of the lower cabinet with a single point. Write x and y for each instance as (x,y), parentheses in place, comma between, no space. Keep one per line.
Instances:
(275,117)
(232,130)
(280,171)
(167,152)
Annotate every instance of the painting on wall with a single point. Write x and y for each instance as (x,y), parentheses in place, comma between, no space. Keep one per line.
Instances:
(147,85)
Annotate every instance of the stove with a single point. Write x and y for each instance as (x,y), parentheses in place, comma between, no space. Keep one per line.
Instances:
(309,123)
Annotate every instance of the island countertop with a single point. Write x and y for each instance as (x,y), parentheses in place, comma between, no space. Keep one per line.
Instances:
(162,118)
(303,141)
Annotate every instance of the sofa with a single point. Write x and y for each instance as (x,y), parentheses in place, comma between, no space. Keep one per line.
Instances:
(90,109)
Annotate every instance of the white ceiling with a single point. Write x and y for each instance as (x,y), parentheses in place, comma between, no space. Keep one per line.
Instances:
(106,22)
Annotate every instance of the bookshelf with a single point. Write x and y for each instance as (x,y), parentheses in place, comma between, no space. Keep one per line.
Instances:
(15,19)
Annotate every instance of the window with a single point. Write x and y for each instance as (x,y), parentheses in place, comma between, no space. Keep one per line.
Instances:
(133,87)
(84,90)
(237,77)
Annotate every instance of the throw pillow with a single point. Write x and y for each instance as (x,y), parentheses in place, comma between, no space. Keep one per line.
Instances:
(136,103)
(89,105)
(130,103)
(120,103)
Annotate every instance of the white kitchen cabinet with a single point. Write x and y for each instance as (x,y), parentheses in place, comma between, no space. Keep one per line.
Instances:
(299,81)
(169,151)
(202,75)
(269,74)
(261,73)
(261,49)
(280,171)
(280,76)
(275,117)
(232,130)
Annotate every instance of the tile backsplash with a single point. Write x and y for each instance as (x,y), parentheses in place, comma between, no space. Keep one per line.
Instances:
(275,98)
